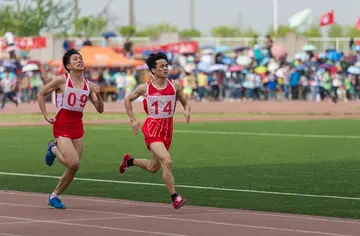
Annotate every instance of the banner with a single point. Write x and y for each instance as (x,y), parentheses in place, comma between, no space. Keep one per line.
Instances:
(178,47)
(26,43)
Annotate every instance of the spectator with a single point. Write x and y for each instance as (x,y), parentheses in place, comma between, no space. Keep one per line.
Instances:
(87,42)
(120,85)
(130,82)
(10,43)
(272,87)
(315,85)
(9,89)
(294,83)
(202,84)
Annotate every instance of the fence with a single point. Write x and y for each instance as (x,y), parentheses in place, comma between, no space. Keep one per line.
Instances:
(340,44)
(54,49)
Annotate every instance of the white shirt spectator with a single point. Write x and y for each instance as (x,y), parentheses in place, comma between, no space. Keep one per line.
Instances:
(10,41)
(7,84)
(315,80)
(120,80)
(336,81)
(304,81)
(9,38)
(258,81)
(250,80)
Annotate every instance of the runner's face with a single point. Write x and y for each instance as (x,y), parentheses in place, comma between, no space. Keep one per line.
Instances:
(76,62)
(161,69)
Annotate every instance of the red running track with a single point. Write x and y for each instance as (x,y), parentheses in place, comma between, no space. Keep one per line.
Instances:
(26,214)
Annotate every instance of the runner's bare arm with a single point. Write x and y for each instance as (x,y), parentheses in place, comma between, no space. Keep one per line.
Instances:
(95,97)
(139,91)
(181,96)
(183,101)
(52,86)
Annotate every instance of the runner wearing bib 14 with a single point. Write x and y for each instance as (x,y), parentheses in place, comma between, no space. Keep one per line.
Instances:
(160,96)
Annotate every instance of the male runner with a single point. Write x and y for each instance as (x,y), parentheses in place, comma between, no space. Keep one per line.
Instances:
(159,103)
(72,94)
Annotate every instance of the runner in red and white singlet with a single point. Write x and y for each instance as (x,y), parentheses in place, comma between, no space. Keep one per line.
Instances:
(159,105)
(71,103)
(72,93)
(160,96)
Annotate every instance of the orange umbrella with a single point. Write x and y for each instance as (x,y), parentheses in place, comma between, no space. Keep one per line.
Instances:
(95,56)
(105,57)
(56,62)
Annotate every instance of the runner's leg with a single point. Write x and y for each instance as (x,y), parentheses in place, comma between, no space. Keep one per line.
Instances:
(162,154)
(152,166)
(73,163)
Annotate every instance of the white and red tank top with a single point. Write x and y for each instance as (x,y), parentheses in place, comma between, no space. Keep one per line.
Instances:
(160,103)
(73,99)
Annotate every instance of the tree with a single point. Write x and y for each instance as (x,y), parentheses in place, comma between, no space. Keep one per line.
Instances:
(313,32)
(250,33)
(281,32)
(189,33)
(336,31)
(127,31)
(35,17)
(352,32)
(154,31)
(6,21)
(225,31)
(90,26)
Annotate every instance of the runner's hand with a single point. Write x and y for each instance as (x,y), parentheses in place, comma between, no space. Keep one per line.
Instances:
(135,127)
(49,119)
(187,116)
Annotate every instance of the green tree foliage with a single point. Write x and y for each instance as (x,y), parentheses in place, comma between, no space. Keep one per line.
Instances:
(153,31)
(36,17)
(336,31)
(189,33)
(312,32)
(281,32)
(127,31)
(352,32)
(90,26)
(225,31)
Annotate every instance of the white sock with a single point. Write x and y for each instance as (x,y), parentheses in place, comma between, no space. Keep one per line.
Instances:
(53,150)
(53,195)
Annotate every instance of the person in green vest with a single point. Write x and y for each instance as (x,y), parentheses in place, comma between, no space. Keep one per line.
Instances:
(327,84)
(36,83)
(348,87)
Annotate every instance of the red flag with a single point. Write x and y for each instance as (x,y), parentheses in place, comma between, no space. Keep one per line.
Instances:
(358,24)
(327,18)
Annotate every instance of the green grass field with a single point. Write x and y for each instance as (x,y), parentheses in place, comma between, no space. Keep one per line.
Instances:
(322,158)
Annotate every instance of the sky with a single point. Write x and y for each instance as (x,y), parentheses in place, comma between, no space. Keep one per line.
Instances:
(257,14)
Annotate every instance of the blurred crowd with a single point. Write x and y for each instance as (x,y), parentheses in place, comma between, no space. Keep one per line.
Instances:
(266,73)
(242,73)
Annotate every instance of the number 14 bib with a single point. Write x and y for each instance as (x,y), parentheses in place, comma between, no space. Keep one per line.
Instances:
(162,106)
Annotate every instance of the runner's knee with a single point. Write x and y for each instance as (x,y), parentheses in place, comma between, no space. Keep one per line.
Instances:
(167,163)
(74,165)
(154,169)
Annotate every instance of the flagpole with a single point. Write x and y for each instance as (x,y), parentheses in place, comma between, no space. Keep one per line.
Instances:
(275,16)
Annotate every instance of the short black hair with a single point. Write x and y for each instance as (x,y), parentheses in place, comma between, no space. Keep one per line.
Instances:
(152,58)
(67,56)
